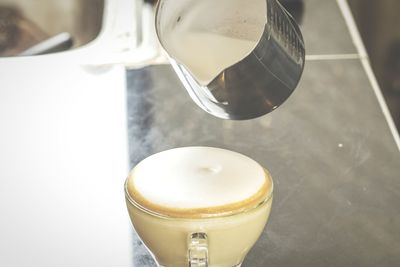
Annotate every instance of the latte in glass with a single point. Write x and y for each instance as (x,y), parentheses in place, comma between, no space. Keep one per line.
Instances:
(199,206)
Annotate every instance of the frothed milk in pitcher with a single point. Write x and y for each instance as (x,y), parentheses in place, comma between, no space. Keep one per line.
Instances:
(237,59)
(213,35)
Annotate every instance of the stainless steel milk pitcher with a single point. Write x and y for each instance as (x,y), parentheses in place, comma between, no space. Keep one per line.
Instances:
(256,84)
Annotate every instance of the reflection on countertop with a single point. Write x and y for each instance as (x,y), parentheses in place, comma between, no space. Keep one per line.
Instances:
(331,153)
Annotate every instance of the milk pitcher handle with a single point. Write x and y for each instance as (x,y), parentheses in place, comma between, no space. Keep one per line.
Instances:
(198,250)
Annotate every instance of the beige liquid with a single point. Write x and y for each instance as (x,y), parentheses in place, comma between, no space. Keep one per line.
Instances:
(232,229)
(207,54)
(213,35)
(229,238)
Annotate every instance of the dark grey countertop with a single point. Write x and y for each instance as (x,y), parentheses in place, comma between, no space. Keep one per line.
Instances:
(334,161)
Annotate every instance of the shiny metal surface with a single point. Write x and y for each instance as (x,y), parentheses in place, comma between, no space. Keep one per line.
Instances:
(329,150)
(259,83)
(328,147)
(60,42)
(81,19)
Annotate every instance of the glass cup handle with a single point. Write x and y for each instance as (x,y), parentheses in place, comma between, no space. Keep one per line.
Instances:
(198,250)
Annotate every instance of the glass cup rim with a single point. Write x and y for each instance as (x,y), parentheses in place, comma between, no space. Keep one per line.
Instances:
(150,212)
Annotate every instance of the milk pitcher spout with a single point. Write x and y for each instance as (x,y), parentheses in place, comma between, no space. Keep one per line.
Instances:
(237,59)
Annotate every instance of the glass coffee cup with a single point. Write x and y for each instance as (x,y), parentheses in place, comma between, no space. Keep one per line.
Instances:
(190,234)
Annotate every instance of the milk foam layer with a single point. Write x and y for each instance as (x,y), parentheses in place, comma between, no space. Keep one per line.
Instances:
(197,177)
(209,36)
